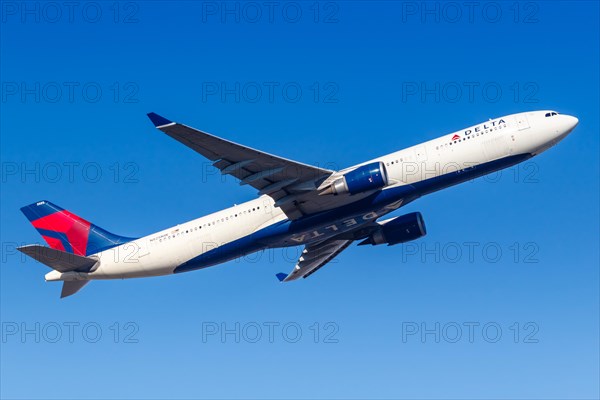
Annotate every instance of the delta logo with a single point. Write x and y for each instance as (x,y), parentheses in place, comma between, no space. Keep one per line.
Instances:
(455,137)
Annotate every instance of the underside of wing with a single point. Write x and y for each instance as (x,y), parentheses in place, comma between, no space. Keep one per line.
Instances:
(286,181)
(314,257)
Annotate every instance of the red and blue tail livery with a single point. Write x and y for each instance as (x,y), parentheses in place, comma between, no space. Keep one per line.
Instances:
(67,232)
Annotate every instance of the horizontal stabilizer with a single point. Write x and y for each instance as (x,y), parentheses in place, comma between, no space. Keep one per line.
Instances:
(58,260)
(72,287)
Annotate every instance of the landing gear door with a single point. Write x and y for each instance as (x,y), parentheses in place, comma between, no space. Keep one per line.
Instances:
(521,121)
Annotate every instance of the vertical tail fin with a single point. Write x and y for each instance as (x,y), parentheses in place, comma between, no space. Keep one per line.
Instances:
(65,231)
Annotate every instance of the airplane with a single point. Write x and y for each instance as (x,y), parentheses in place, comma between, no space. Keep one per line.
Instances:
(298,204)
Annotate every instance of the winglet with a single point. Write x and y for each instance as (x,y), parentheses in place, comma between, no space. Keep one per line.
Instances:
(281,276)
(157,120)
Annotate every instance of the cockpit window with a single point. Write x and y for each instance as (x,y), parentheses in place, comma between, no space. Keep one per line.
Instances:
(551,114)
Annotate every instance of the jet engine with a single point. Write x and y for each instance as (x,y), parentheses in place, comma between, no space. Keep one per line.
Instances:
(398,230)
(364,178)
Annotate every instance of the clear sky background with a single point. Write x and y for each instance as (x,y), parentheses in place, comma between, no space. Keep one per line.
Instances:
(499,300)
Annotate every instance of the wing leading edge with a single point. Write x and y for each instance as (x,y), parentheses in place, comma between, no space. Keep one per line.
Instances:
(286,181)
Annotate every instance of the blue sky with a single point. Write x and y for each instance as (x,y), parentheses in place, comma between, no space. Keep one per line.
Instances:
(499,300)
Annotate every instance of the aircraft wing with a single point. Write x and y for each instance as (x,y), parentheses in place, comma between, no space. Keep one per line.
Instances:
(314,257)
(286,181)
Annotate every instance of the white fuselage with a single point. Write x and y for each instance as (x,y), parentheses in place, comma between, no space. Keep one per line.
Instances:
(426,167)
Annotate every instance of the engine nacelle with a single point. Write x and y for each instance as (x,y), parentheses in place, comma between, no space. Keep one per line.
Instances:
(364,178)
(398,230)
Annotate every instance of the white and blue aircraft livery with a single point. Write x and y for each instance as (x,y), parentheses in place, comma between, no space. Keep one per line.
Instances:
(298,204)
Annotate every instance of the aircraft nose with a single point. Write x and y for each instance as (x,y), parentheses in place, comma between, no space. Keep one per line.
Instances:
(571,122)
(564,126)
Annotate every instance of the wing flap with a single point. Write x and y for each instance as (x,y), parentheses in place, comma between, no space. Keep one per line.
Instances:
(314,257)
